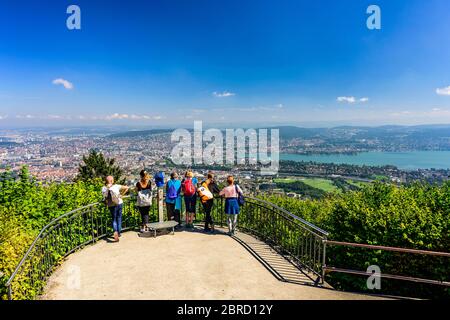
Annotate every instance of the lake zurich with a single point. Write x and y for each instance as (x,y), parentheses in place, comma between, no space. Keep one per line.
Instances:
(403,160)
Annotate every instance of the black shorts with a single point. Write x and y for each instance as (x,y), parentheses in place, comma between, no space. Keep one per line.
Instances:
(190,203)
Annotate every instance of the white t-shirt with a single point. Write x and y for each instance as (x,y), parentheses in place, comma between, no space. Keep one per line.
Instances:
(114,188)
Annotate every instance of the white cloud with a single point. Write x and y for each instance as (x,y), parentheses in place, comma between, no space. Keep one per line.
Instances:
(119,116)
(114,116)
(223,94)
(443,91)
(437,113)
(346,99)
(198,110)
(3,117)
(273,108)
(67,84)
(352,99)
(28,116)
(55,117)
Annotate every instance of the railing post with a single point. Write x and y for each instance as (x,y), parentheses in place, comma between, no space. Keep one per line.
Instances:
(222,212)
(92,225)
(160,205)
(9,292)
(324,261)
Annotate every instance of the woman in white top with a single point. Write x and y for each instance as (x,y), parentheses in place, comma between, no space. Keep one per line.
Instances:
(231,194)
(112,196)
(144,197)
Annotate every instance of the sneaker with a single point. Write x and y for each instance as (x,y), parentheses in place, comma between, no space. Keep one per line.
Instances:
(116,237)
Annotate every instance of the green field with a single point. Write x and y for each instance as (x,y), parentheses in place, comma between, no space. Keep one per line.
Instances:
(319,183)
(358,184)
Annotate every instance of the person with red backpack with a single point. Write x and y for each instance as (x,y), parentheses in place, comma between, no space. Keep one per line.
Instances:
(189,188)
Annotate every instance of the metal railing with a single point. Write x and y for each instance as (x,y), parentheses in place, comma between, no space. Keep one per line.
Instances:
(285,232)
(415,252)
(288,234)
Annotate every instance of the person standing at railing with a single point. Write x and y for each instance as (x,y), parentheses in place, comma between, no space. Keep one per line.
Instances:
(231,194)
(173,198)
(144,197)
(189,188)
(112,196)
(206,193)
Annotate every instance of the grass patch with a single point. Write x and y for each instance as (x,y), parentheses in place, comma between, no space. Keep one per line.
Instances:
(318,183)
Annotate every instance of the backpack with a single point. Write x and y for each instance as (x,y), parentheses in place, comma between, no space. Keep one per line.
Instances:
(188,188)
(159,179)
(241,198)
(144,198)
(112,199)
(204,193)
(172,192)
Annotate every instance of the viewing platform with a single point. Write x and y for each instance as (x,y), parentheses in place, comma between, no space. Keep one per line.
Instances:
(187,265)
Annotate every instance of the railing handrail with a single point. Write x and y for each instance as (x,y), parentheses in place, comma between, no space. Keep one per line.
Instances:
(309,224)
(385,248)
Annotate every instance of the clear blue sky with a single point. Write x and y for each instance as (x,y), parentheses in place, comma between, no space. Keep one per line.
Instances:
(168,62)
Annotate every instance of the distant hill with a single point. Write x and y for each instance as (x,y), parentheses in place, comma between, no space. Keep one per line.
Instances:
(349,138)
(140,133)
(357,132)
(359,139)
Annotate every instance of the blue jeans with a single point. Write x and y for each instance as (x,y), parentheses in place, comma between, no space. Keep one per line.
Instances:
(116,215)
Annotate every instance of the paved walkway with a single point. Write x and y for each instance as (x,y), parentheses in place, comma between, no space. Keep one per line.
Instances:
(187,265)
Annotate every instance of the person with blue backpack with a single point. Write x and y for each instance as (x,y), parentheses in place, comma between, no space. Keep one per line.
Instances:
(173,198)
